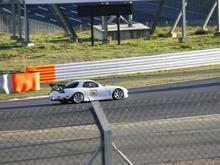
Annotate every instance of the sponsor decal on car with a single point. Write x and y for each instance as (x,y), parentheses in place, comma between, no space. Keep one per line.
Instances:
(93,92)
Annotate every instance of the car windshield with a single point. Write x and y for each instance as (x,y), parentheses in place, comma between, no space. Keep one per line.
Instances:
(73,84)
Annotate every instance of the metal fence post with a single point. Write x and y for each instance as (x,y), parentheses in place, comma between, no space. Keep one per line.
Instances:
(171,32)
(209,15)
(19,20)
(105,28)
(218,18)
(183,39)
(26,24)
(13,20)
(106,133)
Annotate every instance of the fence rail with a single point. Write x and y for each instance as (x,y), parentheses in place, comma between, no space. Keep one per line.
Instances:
(131,65)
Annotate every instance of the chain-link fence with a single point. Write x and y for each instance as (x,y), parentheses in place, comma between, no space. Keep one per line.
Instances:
(48,136)
(166,130)
(179,129)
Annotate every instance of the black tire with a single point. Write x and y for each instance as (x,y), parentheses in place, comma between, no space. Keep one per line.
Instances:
(118,94)
(78,98)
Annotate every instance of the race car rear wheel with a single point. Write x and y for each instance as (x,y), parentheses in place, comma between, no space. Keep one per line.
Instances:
(78,98)
(118,94)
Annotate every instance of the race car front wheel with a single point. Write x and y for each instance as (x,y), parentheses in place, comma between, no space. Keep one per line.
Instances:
(78,98)
(118,94)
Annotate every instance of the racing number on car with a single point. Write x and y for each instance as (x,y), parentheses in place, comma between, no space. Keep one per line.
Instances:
(93,92)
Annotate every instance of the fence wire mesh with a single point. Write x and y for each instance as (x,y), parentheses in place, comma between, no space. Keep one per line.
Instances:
(177,129)
(171,130)
(48,135)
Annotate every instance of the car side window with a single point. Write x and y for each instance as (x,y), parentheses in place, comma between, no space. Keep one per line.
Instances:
(90,84)
(72,85)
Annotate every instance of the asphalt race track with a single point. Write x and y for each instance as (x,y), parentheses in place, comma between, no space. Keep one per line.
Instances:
(155,124)
(150,103)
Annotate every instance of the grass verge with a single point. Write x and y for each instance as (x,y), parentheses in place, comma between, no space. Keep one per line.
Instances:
(56,48)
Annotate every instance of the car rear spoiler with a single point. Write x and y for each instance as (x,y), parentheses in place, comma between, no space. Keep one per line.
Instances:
(57,87)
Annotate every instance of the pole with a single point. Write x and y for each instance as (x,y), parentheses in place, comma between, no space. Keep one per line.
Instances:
(92,32)
(19,20)
(105,131)
(176,22)
(105,27)
(218,8)
(209,15)
(183,21)
(26,24)
(118,28)
(130,18)
(13,23)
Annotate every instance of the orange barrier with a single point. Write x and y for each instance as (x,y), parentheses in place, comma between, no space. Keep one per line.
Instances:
(23,82)
(47,72)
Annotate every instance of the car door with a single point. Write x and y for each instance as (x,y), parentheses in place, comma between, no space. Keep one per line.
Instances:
(94,90)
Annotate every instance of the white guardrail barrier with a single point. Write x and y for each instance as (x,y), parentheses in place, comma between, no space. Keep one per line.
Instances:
(137,64)
(6,83)
(57,72)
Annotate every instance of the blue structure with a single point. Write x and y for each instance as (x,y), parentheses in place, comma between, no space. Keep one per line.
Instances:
(197,11)
(142,12)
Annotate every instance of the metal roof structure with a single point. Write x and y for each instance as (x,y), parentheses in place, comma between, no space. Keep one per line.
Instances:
(76,1)
(35,2)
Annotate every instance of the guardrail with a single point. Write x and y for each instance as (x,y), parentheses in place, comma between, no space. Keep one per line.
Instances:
(128,65)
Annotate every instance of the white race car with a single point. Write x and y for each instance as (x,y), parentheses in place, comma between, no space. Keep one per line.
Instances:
(86,90)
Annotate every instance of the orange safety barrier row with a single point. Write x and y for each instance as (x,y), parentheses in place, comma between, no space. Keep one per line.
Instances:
(19,82)
(41,67)
(23,82)
(47,72)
